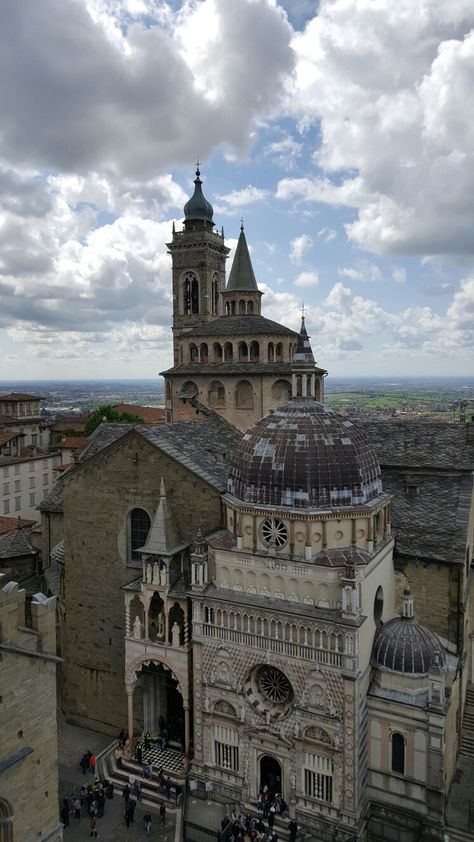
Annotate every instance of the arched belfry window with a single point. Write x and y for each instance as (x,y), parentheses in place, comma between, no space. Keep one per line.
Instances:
(398,753)
(139,526)
(190,294)
(215,294)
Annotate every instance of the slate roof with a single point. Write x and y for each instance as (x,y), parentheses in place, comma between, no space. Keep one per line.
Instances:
(201,446)
(242,277)
(237,368)
(249,325)
(15,544)
(426,467)
(404,645)
(54,500)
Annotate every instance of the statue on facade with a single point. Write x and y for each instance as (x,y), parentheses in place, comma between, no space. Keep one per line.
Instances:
(137,628)
(163,576)
(149,573)
(161,624)
(156,574)
(175,633)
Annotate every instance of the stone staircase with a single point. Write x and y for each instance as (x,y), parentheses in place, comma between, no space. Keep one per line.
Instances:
(151,793)
(467,732)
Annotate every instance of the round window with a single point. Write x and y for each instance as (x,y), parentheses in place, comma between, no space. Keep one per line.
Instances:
(274,533)
(274,685)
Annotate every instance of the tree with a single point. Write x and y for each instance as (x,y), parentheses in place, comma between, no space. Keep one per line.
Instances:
(108,413)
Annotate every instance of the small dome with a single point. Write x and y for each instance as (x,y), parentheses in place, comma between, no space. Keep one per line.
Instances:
(197,207)
(305,455)
(404,645)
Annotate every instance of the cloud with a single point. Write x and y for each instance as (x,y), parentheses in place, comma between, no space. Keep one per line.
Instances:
(237,199)
(399,275)
(363,271)
(306,279)
(390,90)
(285,152)
(327,234)
(129,94)
(299,246)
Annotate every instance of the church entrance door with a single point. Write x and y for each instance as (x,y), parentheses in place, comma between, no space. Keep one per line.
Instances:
(270,774)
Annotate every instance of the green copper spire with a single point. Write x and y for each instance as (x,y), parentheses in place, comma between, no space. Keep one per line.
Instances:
(197,207)
(242,278)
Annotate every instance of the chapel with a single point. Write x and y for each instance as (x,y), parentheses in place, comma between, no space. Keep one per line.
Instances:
(288,589)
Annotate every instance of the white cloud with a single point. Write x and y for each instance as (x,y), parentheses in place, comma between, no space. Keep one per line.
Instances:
(306,279)
(390,88)
(285,152)
(399,275)
(237,199)
(363,271)
(327,234)
(299,246)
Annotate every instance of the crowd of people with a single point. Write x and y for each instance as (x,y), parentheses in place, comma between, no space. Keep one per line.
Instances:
(89,803)
(260,828)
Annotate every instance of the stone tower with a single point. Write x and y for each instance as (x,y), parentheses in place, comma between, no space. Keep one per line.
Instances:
(228,358)
(198,254)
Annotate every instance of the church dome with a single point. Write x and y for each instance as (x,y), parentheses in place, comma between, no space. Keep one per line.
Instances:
(305,455)
(404,645)
(197,207)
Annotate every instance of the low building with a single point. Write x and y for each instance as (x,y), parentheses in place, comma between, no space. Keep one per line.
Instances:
(24,481)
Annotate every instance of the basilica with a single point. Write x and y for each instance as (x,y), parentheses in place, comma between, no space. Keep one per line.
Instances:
(289,589)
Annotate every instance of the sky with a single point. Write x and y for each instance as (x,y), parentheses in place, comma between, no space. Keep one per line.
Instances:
(341,132)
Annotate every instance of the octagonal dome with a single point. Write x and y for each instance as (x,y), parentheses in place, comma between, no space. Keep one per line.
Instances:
(305,455)
(404,645)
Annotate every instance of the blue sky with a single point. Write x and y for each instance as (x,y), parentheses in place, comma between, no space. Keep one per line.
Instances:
(342,132)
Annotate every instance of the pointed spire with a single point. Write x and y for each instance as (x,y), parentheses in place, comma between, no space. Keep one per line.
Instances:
(303,352)
(163,538)
(242,277)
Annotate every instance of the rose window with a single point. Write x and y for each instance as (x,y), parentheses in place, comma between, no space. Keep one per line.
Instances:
(274,685)
(274,533)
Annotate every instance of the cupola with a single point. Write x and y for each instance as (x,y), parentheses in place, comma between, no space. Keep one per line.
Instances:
(198,212)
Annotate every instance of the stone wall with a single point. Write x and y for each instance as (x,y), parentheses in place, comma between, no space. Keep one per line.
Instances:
(29,780)
(99,497)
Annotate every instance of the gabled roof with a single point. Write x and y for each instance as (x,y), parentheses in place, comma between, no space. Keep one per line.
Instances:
(200,445)
(8,524)
(15,544)
(242,277)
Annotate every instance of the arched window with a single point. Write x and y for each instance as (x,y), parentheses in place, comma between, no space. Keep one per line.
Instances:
(398,753)
(228,351)
(241,308)
(249,306)
(279,352)
(271,352)
(243,352)
(6,822)
(190,294)
(217,349)
(216,393)
(244,395)
(193,353)
(139,526)
(232,308)
(203,352)
(227,308)
(254,350)
(188,389)
(215,294)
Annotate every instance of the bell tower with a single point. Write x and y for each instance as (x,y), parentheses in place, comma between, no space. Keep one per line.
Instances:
(198,255)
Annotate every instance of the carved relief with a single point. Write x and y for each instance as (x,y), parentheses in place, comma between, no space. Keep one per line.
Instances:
(318,735)
(224,707)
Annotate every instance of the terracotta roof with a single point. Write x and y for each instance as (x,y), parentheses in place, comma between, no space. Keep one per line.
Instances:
(69,424)
(33,450)
(6,436)
(149,414)
(73,442)
(20,396)
(7,524)
(251,325)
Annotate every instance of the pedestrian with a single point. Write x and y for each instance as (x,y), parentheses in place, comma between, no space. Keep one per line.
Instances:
(146,771)
(271,816)
(77,808)
(162,814)
(131,806)
(168,787)
(137,791)
(93,831)
(126,794)
(121,739)
(100,804)
(92,762)
(147,823)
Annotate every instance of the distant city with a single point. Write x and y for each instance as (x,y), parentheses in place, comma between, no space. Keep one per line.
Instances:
(433,397)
